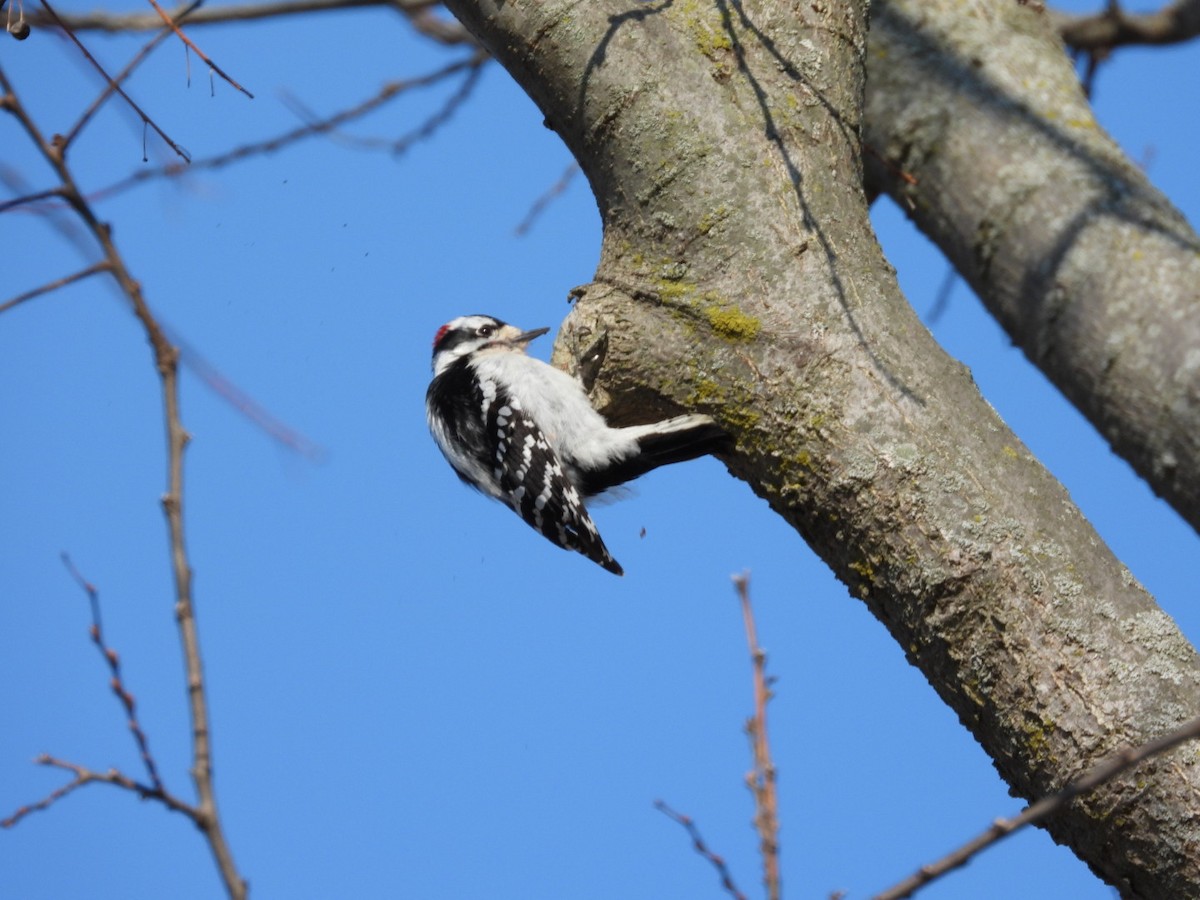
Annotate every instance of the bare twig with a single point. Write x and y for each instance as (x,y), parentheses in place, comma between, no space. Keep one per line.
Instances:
(245,404)
(49,205)
(113,660)
(85,776)
(427,129)
(172,24)
(54,285)
(166,360)
(29,199)
(1113,27)
(308,130)
(941,301)
(761,780)
(540,204)
(120,22)
(1095,37)
(155,789)
(146,120)
(698,843)
(46,802)
(1042,809)
(421,16)
(111,86)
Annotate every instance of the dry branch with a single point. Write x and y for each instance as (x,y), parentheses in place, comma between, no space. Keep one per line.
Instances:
(1038,812)
(155,789)
(421,15)
(761,780)
(757,293)
(546,198)
(317,127)
(173,24)
(166,361)
(122,22)
(113,84)
(1111,28)
(1062,237)
(113,661)
(718,862)
(54,285)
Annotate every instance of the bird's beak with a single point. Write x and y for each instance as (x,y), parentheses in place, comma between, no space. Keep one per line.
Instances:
(526,336)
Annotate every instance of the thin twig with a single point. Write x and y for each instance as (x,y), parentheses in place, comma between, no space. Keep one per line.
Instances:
(761,780)
(55,285)
(217,15)
(1042,809)
(941,301)
(52,211)
(275,428)
(1113,27)
(702,848)
(146,120)
(113,660)
(539,205)
(166,360)
(122,76)
(155,789)
(85,776)
(187,41)
(308,130)
(421,16)
(426,130)
(46,802)
(29,199)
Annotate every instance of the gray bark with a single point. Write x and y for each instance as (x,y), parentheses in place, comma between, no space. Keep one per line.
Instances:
(739,276)
(984,136)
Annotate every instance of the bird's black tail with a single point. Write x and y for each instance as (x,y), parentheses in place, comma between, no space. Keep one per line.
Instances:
(670,441)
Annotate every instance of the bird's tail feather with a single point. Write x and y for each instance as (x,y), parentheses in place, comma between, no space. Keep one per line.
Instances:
(660,444)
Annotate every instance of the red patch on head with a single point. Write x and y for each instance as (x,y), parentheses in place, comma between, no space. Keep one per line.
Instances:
(441,333)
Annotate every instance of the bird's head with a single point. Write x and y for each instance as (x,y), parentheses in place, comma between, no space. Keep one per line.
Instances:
(473,334)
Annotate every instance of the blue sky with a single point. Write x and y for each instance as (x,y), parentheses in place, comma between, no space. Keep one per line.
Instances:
(412,693)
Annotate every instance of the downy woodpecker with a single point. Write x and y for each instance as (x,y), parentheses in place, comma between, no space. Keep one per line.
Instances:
(524,432)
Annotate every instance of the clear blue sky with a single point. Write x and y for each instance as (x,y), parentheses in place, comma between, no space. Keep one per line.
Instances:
(412,693)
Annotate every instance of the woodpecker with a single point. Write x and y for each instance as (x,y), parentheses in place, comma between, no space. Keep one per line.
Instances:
(524,433)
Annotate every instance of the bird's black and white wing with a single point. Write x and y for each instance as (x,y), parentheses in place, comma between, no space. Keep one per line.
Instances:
(533,481)
(454,406)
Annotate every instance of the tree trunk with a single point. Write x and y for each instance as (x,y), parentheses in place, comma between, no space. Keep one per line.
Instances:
(983,134)
(739,276)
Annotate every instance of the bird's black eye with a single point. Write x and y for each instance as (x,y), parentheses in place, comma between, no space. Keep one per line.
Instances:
(487,330)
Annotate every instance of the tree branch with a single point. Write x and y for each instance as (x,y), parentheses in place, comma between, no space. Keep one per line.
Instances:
(85,776)
(113,85)
(761,780)
(1111,28)
(421,14)
(1040,811)
(113,661)
(166,360)
(217,15)
(1063,238)
(323,126)
(91,270)
(739,276)
(173,25)
(700,847)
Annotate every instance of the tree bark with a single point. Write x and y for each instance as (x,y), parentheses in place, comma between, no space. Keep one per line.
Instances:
(739,276)
(984,136)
